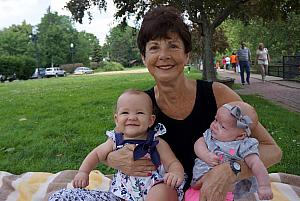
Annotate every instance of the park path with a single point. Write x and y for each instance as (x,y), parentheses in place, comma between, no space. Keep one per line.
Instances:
(275,89)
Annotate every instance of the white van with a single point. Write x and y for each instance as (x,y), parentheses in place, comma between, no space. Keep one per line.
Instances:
(55,71)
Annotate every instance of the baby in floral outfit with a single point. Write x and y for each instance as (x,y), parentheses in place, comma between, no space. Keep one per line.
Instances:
(133,117)
(228,139)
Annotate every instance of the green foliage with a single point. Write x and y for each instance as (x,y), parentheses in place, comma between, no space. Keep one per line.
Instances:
(280,123)
(15,41)
(22,66)
(111,66)
(54,38)
(280,37)
(206,14)
(121,45)
(54,35)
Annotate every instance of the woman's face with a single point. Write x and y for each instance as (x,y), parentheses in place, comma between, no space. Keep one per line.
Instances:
(165,58)
(261,46)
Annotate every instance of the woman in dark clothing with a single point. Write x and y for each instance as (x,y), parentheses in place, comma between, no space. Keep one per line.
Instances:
(186,107)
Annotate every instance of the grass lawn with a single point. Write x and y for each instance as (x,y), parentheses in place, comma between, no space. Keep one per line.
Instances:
(51,124)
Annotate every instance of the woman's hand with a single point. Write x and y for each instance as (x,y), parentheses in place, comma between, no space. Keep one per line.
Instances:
(122,160)
(81,180)
(216,183)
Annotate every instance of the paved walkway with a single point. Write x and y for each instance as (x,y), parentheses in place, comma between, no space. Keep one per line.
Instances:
(286,93)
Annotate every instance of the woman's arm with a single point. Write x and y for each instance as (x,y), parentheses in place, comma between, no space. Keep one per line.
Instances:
(218,181)
(122,160)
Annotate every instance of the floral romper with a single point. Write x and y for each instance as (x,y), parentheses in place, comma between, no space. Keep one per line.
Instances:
(122,186)
(136,188)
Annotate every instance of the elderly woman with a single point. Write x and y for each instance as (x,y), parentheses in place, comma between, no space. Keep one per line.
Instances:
(186,108)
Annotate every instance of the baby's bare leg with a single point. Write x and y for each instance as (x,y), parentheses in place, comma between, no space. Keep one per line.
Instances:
(162,192)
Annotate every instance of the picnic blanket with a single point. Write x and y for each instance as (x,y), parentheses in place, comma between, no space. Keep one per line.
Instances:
(37,186)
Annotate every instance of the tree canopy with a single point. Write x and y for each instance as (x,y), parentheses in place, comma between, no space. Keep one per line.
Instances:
(121,45)
(206,14)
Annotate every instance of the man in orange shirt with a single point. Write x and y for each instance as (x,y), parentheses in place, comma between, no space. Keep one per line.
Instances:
(233,61)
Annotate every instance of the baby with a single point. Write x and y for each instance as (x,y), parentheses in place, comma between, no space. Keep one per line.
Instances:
(228,139)
(133,118)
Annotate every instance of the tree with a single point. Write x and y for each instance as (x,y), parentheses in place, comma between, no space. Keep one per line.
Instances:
(56,33)
(206,14)
(281,37)
(121,45)
(54,38)
(14,40)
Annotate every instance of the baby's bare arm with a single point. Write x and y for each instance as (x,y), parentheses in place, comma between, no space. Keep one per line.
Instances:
(261,174)
(175,172)
(204,154)
(96,156)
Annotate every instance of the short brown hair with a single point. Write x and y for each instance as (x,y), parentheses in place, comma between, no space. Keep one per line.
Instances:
(159,22)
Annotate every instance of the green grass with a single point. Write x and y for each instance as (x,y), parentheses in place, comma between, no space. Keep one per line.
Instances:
(51,124)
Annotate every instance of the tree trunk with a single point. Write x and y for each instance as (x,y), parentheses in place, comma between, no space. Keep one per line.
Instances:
(209,72)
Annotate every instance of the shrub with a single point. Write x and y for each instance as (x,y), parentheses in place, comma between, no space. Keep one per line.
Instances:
(22,66)
(69,68)
(94,65)
(112,66)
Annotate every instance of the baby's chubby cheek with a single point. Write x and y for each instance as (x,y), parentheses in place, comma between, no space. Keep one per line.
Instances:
(119,129)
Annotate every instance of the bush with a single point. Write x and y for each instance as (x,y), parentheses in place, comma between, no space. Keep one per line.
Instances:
(112,66)
(22,66)
(69,68)
(94,65)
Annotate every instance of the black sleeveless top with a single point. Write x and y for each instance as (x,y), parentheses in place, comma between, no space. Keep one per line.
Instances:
(182,134)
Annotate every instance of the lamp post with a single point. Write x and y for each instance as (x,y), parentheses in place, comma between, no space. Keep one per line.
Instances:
(34,38)
(72,53)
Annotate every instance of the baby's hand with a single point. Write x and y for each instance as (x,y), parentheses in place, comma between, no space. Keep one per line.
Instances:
(265,193)
(172,179)
(211,159)
(81,180)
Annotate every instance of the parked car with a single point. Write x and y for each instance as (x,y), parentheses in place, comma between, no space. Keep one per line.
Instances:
(55,71)
(10,78)
(83,70)
(38,73)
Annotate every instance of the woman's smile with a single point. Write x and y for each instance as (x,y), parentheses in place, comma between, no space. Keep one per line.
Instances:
(165,67)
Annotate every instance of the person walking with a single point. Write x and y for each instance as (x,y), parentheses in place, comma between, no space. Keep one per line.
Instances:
(227,60)
(244,60)
(233,61)
(263,60)
(223,63)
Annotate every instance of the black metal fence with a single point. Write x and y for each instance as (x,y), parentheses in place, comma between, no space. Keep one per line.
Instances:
(288,69)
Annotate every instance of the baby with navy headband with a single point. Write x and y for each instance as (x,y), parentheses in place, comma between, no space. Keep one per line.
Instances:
(228,140)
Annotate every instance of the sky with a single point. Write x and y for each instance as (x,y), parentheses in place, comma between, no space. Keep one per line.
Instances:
(16,11)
